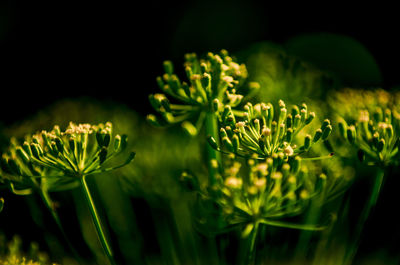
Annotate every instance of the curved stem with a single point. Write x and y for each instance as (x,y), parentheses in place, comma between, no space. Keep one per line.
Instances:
(96,221)
(377,185)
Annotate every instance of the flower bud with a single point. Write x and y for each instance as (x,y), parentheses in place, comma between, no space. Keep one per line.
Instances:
(35,150)
(227,143)
(351,134)
(389,131)
(282,115)
(327,131)
(381,145)
(106,139)
(168,67)
(378,114)
(206,82)
(295,110)
(235,143)
(375,139)
(189,128)
(310,117)
(289,120)
(212,142)
(317,136)
(103,155)
(117,142)
(160,82)
(303,114)
(296,121)
(226,112)
(296,163)
(186,89)
(27,148)
(59,145)
(99,138)
(307,142)
(222,133)
(22,154)
(215,105)
(256,123)
(342,129)
(325,124)
(56,130)
(152,119)
(71,142)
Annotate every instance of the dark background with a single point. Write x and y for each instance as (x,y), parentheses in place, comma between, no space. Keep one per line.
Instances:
(112,50)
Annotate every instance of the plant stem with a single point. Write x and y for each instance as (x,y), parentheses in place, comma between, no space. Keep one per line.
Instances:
(251,253)
(364,216)
(96,221)
(211,127)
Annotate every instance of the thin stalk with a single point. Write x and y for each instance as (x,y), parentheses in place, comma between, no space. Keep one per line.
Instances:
(251,249)
(211,127)
(364,216)
(96,221)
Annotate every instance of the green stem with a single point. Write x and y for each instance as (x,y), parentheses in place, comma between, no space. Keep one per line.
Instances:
(364,216)
(96,221)
(211,127)
(251,253)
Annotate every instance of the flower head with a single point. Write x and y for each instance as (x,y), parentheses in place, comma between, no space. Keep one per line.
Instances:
(265,191)
(376,135)
(211,83)
(80,150)
(264,132)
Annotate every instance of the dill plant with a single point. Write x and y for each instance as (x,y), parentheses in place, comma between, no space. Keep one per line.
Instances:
(369,121)
(211,83)
(275,187)
(57,160)
(269,144)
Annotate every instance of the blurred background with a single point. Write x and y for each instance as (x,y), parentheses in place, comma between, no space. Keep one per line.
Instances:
(111,52)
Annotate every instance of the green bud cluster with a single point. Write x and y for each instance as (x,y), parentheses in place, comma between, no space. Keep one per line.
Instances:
(210,84)
(266,191)
(375,134)
(265,132)
(80,150)
(346,101)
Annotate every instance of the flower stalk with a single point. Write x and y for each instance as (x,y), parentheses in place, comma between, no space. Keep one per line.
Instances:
(96,221)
